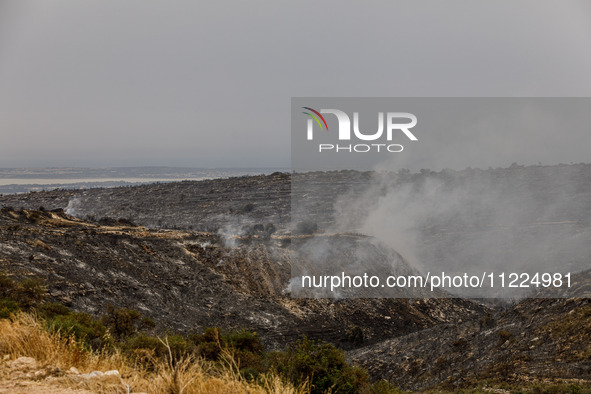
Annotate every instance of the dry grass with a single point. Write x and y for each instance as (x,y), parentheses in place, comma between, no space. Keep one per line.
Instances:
(25,336)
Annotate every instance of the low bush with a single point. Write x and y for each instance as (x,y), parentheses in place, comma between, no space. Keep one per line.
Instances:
(27,293)
(30,292)
(148,348)
(50,310)
(7,285)
(323,364)
(248,351)
(81,326)
(7,308)
(209,344)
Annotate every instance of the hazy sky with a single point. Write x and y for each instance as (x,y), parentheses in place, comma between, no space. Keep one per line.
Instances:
(208,84)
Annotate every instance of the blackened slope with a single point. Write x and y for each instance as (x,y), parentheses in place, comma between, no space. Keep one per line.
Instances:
(538,339)
(189,280)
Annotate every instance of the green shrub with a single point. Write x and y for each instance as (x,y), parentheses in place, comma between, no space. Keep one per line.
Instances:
(250,374)
(7,285)
(143,341)
(27,293)
(122,322)
(81,325)
(142,345)
(244,340)
(323,364)
(7,308)
(179,345)
(247,348)
(147,323)
(575,389)
(30,292)
(210,344)
(52,309)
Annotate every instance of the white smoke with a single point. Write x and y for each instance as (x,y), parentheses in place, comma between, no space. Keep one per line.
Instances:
(74,207)
(505,220)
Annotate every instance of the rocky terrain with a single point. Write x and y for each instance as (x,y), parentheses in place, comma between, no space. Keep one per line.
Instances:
(26,375)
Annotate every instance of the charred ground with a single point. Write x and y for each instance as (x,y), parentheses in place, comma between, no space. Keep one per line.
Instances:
(190,280)
(197,254)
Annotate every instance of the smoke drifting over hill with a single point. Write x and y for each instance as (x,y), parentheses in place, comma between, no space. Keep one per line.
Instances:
(520,219)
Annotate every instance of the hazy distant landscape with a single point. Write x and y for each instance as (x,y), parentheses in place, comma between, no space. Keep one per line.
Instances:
(22,180)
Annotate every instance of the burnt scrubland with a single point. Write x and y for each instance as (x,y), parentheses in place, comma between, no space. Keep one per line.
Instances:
(190,280)
(212,259)
(113,304)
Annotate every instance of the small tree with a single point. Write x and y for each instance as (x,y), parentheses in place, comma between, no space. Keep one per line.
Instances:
(121,321)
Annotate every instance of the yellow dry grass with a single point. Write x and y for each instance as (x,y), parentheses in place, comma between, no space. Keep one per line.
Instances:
(25,336)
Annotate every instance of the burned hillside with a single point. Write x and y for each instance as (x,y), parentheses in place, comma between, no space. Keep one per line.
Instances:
(189,280)
(221,252)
